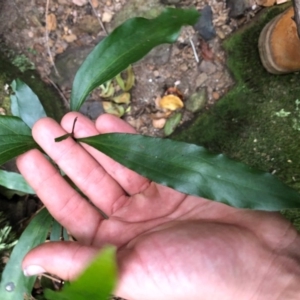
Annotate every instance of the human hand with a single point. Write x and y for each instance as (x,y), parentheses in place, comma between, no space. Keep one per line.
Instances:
(170,245)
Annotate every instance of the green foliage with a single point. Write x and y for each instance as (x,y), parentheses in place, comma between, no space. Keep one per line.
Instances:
(14,181)
(23,63)
(14,284)
(15,138)
(242,124)
(127,44)
(7,237)
(96,282)
(25,103)
(193,170)
(186,167)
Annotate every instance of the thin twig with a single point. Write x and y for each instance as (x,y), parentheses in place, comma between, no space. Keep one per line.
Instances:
(194,50)
(47,39)
(99,20)
(52,277)
(67,105)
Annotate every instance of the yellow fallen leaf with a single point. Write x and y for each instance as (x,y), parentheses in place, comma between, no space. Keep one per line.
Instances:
(51,22)
(170,102)
(107,89)
(124,98)
(113,109)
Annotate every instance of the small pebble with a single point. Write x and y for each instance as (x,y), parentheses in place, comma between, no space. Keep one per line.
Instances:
(106,17)
(80,2)
(216,95)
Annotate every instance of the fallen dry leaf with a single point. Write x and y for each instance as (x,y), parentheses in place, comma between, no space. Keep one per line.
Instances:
(51,22)
(206,51)
(174,91)
(113,109)
(124,98)
(170,102)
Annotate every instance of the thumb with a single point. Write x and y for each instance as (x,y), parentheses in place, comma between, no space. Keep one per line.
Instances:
(63,259)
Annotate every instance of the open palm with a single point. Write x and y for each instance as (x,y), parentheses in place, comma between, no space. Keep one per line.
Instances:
(170,245)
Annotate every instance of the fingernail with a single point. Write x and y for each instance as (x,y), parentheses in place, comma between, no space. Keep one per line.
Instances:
(33,270)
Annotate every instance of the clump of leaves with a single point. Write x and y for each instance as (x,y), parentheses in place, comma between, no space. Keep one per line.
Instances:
(125,45)
(190,169)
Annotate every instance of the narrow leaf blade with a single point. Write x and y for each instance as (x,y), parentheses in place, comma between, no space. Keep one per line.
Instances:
(25,103)
(15,138)
(15,181)
(14,285)
(13,126)
(96,282)
(193,170)
(127,44)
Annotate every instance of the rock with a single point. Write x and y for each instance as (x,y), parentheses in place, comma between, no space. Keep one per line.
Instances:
(183,67)
(201,79)
(95,3)
(106,17)
(207,67)
(204,26)
(160,55)
(221,34)
(159,123)
(80,2)
(237,7)
(196,101)
(70,38)
(68,63)
(216,95)
(172,123)
(89,24)
(92,109)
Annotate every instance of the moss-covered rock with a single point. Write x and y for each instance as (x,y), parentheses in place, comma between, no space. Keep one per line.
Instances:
(243,124)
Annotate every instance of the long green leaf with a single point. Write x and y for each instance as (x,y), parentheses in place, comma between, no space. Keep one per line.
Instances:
(96,282)
(193,170)
(25,103)
(14,285)
(127,44)
(13,126)
(15,181)
(15,138)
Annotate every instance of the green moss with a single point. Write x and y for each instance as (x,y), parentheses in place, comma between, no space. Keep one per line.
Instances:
(242,124)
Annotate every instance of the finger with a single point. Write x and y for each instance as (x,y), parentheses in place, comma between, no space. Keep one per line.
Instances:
(129,180)
(63,259)
(132,182)
(79,165)
(62,201)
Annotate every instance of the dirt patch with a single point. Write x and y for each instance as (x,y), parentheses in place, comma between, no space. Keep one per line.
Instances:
(74,30)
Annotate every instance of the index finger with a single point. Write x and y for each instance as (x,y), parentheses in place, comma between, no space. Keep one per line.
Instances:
(129,180)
